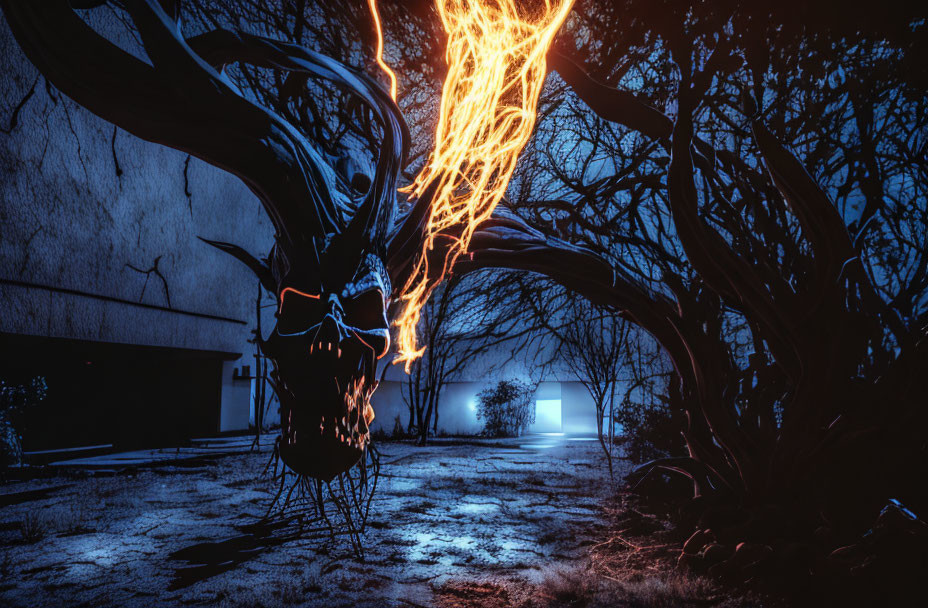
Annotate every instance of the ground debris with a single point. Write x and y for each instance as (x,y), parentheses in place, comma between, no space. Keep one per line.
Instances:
(172,536)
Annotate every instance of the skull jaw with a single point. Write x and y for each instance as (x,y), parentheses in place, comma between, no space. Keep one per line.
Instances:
(324,379)
(321,438)
(323,431)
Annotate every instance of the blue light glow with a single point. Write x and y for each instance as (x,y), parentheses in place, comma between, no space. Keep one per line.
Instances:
(547,416)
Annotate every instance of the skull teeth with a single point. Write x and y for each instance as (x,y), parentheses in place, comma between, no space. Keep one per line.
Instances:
(351,426)
(326,346)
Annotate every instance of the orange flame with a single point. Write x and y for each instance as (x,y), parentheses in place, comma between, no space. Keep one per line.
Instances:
(496,70)
(383,65)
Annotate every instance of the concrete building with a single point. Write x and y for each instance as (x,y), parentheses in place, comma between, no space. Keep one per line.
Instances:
(105,290)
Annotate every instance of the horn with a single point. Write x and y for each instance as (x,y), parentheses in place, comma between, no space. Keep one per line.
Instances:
(256,266)
(374,216)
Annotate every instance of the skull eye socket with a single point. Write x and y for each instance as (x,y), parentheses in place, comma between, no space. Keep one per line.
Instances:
(298,311)
(366,311)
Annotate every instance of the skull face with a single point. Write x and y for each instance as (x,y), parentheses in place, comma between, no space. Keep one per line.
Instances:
(325,346)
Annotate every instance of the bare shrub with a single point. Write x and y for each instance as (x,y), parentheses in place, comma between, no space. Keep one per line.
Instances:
(288,591)
(33,527)
(398,432)
(506,409)
(649,431)
(14,399)
(70,520)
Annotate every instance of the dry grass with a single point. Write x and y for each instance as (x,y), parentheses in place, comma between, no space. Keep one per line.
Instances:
(585,589)
(633,566)
(469,594)
(75,518)
(285,590)
(33,527)
(422,508)
(6,566)
(581,587)
(288,591)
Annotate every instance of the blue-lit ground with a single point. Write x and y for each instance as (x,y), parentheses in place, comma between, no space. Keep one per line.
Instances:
(481,519)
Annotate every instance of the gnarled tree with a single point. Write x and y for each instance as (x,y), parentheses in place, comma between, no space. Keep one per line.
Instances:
(789,294)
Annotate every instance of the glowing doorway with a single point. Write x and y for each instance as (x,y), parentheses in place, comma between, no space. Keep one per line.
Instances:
(547,416)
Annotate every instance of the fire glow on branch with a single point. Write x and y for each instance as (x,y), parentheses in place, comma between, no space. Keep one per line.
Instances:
(496,69)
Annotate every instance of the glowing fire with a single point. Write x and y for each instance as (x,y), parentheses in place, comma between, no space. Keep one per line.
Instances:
(383,65)
(496,69)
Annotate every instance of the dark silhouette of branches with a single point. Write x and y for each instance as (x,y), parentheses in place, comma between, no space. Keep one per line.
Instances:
(469,317)
(764,216)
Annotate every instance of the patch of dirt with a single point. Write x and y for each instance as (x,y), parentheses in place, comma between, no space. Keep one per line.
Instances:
(462,594)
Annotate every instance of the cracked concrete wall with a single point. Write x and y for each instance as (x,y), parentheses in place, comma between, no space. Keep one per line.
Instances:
(89,207)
